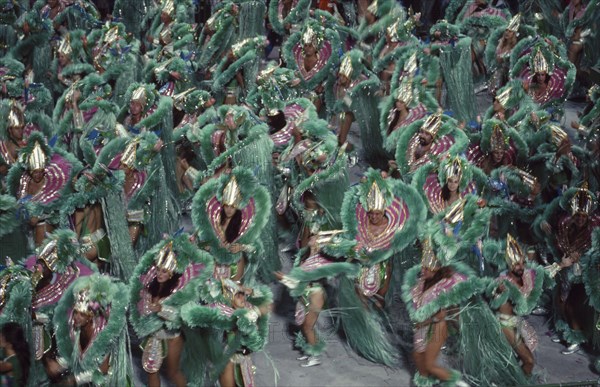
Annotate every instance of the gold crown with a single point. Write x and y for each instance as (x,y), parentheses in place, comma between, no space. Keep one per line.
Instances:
(497,140)
(375,199)
(514,23)
(139,95)
(112,34)
(558,134)
(404,92)
(231,193)
(37,158)
(129,154)
(49,255)
(65,46)
(346,67)
(504,96)
(166,259)
(514,255)
(454,168)
(432,124)
(309,36)
(456,212)
(582,202)
(428,257)
(540,64)
(15,116)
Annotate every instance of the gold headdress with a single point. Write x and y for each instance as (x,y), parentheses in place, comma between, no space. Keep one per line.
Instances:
(582,202)
(428,258)
(65,46)
(373,7)
(432,124)
(497,140)
(375,199)
(558,134)
(180,99)
(346,67)
(15,116)
(454,168)
(112,34)
(49,255)
(231,193)
(540,64)
(82,302)
(230,288)
(166,259)
(528,179)
(129,154)
(310,36)
(504,96)
(37,158)
(168,7)
(393,31)
(404,92)
(514,23)
(139,95)
(514,254)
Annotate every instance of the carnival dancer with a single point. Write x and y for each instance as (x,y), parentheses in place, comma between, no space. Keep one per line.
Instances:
(14,139)
(91,333)
(237,318)
(169,275)
(514,294)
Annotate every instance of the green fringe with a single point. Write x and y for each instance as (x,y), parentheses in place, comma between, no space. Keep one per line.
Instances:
(456,67)
(364,328)
(123,258)
(571,336)
(589,263)
(8,214)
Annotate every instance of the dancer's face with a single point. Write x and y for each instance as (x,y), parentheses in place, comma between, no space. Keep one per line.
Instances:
(376,216)
(452,183)
(229,211)
(163,275)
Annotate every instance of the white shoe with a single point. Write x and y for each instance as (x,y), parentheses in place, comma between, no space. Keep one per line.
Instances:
(570,349)
(555,339)
(312,361)
(461,383)
(303,357)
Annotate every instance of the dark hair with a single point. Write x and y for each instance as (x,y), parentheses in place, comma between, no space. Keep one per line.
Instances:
(234,226)
(185,150)
(277,122)
(13,333)
(156,290)
(445,192)
(443,272)
(394,121)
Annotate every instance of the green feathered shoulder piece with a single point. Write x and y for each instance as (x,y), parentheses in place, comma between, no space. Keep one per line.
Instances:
(512,138)
(64,241)
(252,200)
(243,53)
(403,208)
(194,267)
(298,12)
(8,214)
(453,291)
(15,301)
(590,262)
(524,300)
(107,301)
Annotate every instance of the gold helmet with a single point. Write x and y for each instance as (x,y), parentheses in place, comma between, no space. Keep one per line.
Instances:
(310,36)
(373,7)
(582,202)
(410,66)
(49,255)
(514,23)
(454,168)
(504,96)
(428,258)
(15,116)
(232,195)
(168,7)
(82,302)
(139,95)
(393,31)
(37,158)
(540,64)
(514,254)
(230,288)
(64,47)
(404,92)
(179,100)
(497,140)
(129,154)
(375,199)
(558,134)
(432,124)
(166,258)
(346,68)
